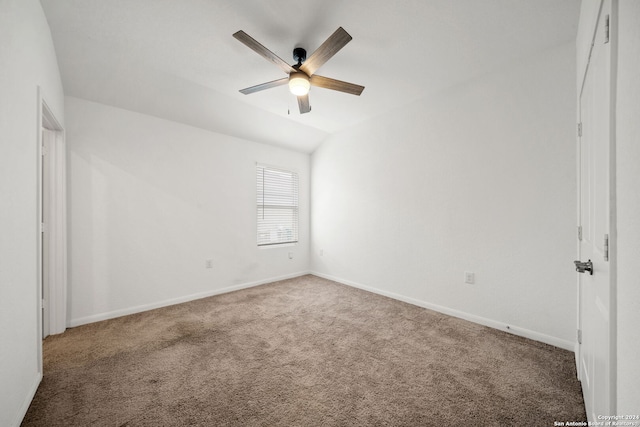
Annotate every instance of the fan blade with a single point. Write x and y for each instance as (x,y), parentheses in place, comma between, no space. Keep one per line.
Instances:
(251,43)
(263,86)
(339,85)
(303,104)
(330,47)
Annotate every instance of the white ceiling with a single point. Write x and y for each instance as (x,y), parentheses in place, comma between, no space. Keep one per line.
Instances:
(177,59)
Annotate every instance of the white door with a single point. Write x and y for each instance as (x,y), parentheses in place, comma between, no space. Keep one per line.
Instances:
(596,297)
(48,138)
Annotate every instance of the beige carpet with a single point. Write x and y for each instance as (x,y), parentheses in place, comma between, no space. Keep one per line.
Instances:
(301,352)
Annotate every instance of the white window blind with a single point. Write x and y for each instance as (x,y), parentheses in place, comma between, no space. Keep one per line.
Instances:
(277,204)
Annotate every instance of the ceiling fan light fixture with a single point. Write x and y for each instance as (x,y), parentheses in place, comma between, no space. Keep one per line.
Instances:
(303,73)
(299,83)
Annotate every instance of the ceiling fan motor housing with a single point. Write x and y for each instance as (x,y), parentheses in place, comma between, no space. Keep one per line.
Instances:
(299,55)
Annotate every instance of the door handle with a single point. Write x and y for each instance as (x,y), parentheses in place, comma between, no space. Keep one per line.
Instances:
(581,267)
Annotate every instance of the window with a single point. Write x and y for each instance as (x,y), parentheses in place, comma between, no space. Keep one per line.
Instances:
(277,205)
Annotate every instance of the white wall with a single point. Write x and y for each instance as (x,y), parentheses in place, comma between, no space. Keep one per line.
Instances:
(481,179)
(150,200)
(27,60)
(628,205)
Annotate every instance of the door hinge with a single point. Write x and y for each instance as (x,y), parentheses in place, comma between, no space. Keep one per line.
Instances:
(580,233)
(42,227)
(606,247)
(579,336)
(42,303)
(43,151)
(606,29)
(579,129)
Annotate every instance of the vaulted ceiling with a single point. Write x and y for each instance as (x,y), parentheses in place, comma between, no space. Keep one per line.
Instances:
(177,59)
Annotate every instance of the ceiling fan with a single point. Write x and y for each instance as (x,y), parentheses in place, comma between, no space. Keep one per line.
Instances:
(302,75)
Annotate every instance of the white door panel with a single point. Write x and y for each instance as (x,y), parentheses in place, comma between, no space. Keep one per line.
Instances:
(594,187)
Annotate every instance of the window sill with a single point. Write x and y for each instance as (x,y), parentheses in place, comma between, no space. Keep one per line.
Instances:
(278,245)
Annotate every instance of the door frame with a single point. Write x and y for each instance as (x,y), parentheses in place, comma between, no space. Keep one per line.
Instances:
(56,224)
(590,18)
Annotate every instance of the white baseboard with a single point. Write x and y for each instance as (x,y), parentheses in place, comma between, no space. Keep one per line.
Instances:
(145,307)
(526,333)
(27,400)
(576,350)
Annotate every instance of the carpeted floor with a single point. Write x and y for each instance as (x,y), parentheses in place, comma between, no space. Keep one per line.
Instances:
(301,352)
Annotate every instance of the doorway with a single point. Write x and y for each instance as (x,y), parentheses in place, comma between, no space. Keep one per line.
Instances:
(52,290)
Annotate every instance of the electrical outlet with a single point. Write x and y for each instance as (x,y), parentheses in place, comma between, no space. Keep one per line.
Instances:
(208,263)
(290,255)
(469,277)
